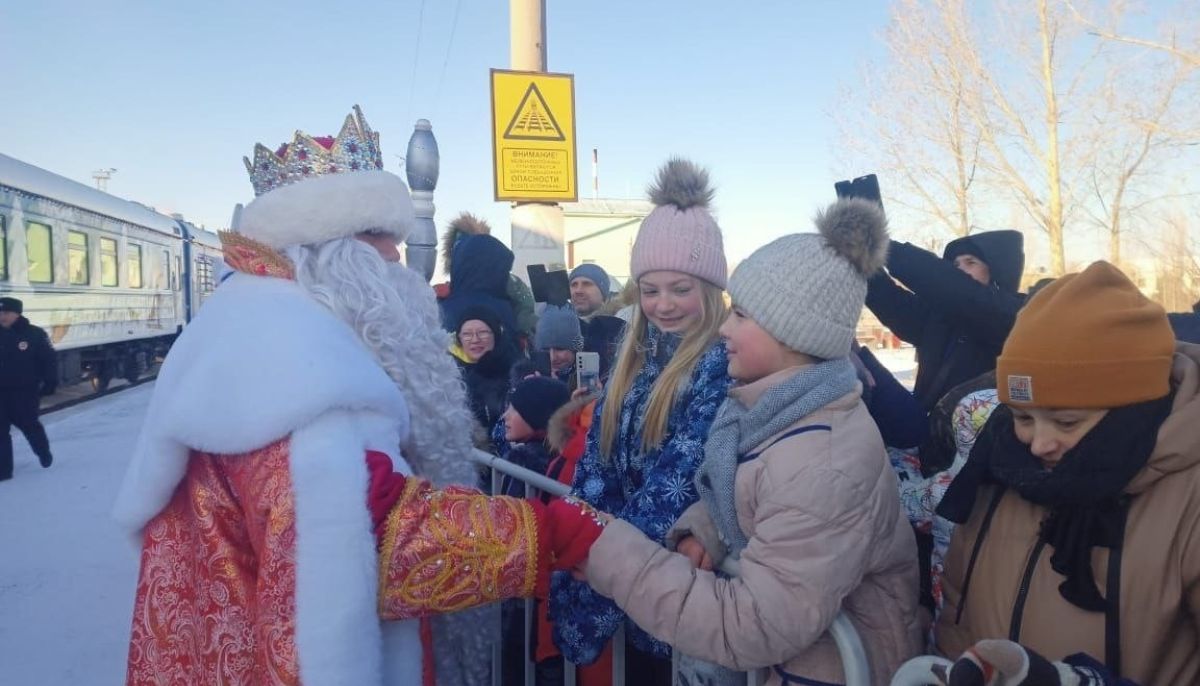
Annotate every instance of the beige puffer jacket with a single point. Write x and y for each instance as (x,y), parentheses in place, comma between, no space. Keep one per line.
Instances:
(1159,570)
(826,534)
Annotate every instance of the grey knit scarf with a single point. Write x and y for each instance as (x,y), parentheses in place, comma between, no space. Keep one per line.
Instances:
(737,430)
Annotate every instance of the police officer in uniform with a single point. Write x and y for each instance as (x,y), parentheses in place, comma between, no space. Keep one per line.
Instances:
(28,370)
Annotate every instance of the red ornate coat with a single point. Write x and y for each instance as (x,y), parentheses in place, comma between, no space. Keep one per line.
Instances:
(216,593)
(268,554)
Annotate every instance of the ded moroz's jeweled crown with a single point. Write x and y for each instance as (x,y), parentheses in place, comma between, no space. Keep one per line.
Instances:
(319,189)
(356,148)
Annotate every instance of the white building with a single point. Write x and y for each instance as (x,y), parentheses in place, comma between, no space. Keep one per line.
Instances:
(602,231)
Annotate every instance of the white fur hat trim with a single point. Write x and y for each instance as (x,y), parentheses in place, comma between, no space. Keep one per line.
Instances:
(323,208)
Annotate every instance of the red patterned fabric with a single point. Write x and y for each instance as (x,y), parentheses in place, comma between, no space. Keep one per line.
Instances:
(450,549)
(216,593)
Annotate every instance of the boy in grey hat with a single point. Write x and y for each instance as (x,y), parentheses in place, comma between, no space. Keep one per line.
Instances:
(559,335)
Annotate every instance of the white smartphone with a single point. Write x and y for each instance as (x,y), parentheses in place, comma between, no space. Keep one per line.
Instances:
(587,371)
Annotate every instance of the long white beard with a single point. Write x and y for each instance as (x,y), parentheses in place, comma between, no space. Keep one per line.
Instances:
(395,314)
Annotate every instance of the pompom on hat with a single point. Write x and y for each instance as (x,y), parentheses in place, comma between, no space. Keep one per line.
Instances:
(680,234)
(807,289)
(1088,340)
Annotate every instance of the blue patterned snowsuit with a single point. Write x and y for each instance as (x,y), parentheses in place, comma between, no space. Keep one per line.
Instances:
(649,490)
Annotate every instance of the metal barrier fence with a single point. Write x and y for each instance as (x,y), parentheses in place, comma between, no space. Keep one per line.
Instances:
(854,656)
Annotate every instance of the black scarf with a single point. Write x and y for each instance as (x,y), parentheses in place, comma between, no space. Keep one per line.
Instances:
(1083,492)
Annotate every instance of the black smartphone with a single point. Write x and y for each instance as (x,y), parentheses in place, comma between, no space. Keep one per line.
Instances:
(865,187)
(552,288)
(558,287)
(537,281)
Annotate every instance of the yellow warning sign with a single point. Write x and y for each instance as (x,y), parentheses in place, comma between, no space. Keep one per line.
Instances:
(533,136)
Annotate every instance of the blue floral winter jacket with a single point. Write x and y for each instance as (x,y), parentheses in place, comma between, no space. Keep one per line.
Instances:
(649,490)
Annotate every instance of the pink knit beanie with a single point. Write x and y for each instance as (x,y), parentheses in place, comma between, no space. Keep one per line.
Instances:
(680,235)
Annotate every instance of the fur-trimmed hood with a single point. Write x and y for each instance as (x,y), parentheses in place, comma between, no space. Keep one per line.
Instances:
(564,423)
(465,224)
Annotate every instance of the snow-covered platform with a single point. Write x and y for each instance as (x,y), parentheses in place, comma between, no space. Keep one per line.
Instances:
(67,572)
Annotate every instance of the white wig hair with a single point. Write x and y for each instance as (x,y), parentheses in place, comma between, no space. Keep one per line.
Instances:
(394,312)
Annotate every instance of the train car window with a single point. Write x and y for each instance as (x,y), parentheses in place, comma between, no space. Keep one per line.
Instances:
(164,271)
(108,262)
(133,260)
(178,272)
(204,276)
(40,252)
(3,248)
(78,269)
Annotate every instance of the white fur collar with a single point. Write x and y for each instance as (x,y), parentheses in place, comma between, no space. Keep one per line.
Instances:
(331,206)
(261,360)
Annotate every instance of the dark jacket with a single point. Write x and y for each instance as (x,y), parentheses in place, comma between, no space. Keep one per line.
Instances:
(957,324)
(532,455)
(602,334)
(27,360)
(901,421)
(479,276)
(487,383)
(1186,326)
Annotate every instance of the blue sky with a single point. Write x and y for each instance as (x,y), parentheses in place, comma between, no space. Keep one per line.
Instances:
(174,94)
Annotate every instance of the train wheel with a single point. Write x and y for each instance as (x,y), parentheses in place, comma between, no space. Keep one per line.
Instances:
(100,381)
(131,369)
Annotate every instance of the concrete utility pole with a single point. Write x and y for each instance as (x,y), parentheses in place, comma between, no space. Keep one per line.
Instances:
(537,228)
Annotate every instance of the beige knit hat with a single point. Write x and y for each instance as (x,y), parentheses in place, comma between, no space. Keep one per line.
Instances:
(807,289)
(680,235)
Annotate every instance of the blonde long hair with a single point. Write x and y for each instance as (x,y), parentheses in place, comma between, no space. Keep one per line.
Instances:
(678,372)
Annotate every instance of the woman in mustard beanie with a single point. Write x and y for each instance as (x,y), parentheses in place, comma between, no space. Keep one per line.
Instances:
(1080,503)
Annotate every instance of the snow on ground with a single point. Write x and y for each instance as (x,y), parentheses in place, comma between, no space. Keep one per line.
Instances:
(902,362)
(67,571)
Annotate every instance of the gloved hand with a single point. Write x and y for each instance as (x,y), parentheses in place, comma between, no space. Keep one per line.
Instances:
(1005,663)
(572,526)
(384,489)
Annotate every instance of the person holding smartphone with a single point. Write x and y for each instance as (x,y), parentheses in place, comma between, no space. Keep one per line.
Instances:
(559,337)
(957,310)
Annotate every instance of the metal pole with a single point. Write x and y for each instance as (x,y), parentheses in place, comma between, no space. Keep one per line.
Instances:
(537,228)
(421,165)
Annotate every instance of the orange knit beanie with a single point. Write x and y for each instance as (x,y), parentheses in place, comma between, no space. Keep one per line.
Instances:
(1088,340)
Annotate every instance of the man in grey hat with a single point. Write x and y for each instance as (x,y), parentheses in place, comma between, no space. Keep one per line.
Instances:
(28,370)
(589,289)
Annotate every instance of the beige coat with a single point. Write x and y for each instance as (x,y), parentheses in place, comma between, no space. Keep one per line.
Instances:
(1160,565)
(826,534)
